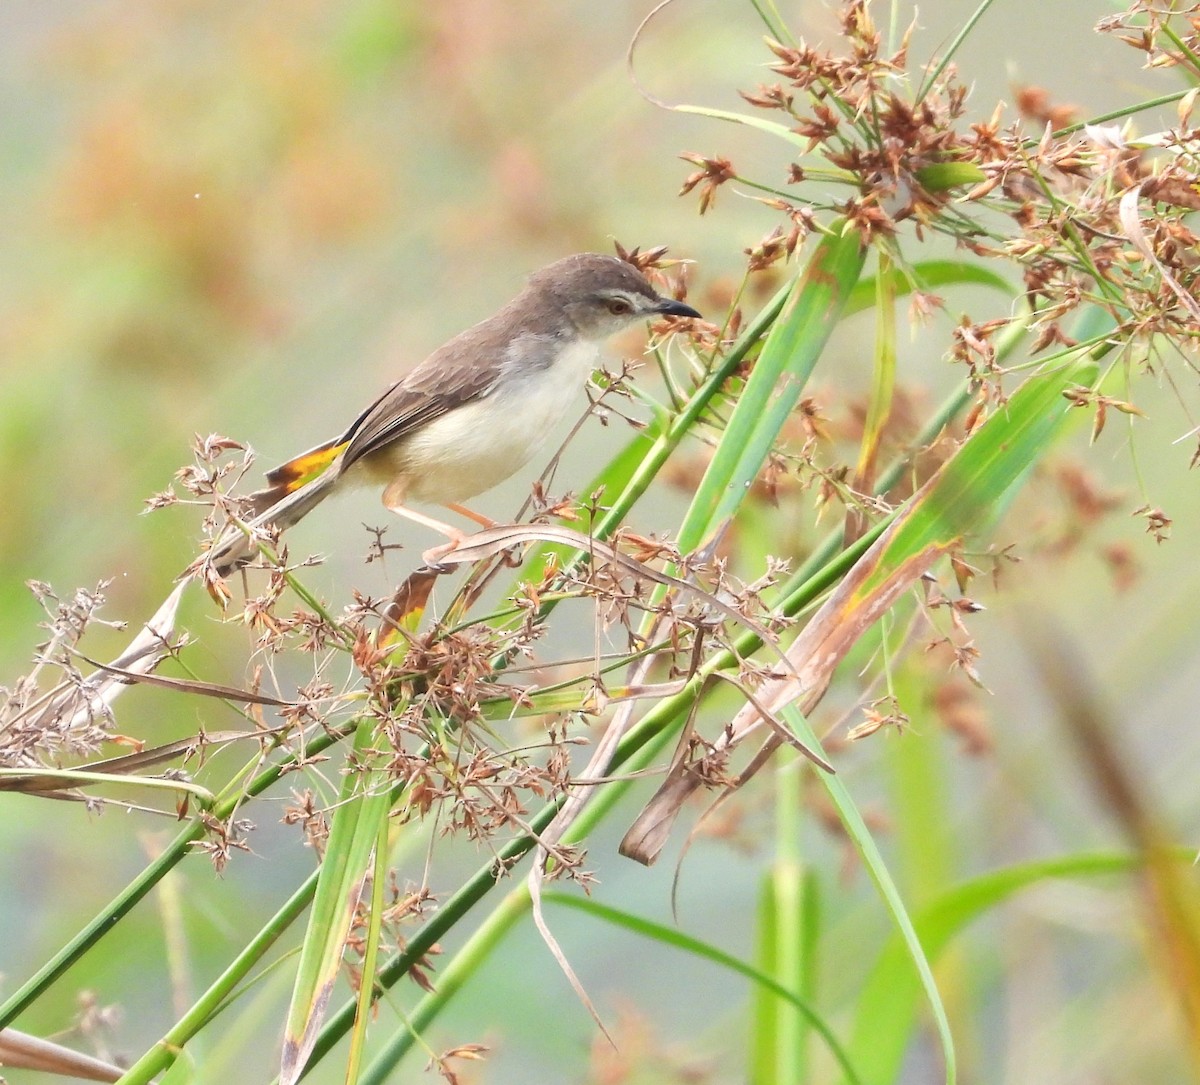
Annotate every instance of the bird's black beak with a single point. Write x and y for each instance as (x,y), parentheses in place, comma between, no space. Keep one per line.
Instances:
(670,307)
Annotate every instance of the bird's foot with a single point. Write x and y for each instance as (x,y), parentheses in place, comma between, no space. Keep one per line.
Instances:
(432,557)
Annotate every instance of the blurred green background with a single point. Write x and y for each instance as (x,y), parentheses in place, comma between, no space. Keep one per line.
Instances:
(247,219)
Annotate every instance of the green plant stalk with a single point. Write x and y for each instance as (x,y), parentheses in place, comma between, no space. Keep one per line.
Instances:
(779,1036)
(88,778)
(460,903)
(924,838)
(512,907)
(631,755)
(450,980)
(170,1048)
(766,1011)
(1120,114)
(771,19)
(167,1050)
(916,784)
(164,1053)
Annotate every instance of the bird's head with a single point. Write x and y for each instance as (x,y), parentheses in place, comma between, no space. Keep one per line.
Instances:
(602,295)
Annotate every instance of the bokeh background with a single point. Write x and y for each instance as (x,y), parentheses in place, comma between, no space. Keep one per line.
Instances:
(247,219)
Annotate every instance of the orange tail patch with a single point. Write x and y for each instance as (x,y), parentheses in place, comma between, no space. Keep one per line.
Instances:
(304,468)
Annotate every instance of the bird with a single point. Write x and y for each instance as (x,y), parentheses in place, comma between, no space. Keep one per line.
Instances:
(472,413)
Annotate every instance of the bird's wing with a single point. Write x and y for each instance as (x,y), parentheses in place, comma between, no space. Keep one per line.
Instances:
(414,402)
(455,374)
(459,372)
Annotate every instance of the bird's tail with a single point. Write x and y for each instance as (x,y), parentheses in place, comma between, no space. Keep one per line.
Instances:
(296,488)
(273,505)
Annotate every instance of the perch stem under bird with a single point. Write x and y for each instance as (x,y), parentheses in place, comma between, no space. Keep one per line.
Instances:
(472,413)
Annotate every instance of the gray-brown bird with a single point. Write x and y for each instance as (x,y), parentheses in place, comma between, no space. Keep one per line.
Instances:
(473,412)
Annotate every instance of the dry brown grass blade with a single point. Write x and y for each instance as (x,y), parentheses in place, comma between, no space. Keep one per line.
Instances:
(189,685)
(406,606)
(21,1051)
(94,697)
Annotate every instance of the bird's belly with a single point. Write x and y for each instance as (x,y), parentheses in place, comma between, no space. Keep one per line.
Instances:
(479,445)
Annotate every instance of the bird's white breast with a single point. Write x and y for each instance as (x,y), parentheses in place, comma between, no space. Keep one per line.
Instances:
(478,445)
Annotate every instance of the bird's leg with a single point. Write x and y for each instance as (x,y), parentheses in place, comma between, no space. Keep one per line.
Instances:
(441,528)
(393,499)
(471,514)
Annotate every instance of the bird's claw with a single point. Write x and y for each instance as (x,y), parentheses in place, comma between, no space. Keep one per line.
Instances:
(430,557)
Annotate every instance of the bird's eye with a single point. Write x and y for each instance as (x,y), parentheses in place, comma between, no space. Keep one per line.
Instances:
(619,307)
